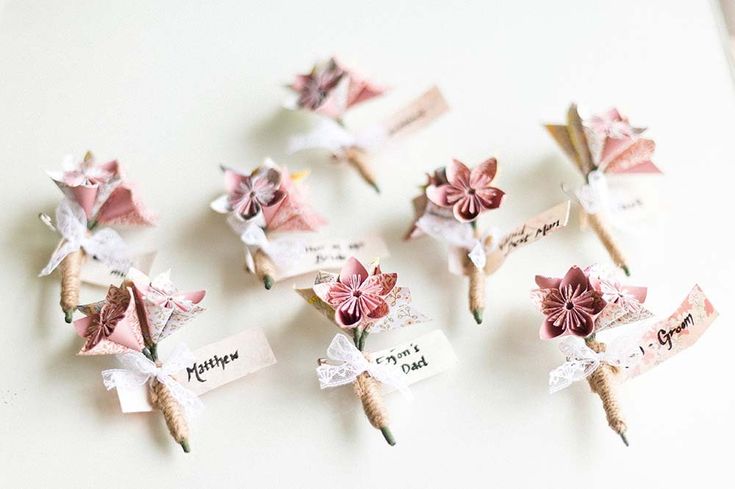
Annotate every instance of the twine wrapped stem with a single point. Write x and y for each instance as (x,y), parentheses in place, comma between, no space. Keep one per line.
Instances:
(602,383)
(358,160)
(70,269)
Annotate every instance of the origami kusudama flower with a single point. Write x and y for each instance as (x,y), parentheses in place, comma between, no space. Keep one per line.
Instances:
(629,297)
(357,295)
(247,195)
(86,182)
(330,89)
(617,146)
(467,192)
(166,309)
(110,326)
(611,124)
(570,304)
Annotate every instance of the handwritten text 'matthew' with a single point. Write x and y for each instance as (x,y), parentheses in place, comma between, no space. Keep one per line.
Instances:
(199,369)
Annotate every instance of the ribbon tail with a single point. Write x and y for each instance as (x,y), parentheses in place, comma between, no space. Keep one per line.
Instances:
(58,256)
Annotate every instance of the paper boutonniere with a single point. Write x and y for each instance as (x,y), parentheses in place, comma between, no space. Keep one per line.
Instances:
(362,301)
(587,301)
(133,320)
(449,208)
(603,145)
(95,195)
(260,203)
(130,322)
(330,90)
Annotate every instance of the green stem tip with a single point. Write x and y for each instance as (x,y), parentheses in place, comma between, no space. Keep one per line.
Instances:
(388,436)
(185,445)
(268,282)
(477,313)
(625,439)
(68,315)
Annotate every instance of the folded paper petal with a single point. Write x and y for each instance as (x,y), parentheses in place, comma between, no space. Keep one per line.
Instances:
(123,207)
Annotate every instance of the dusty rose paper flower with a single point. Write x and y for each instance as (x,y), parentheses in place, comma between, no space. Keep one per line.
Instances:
(330,89)
(293,213)
(86,182)
(467,192)
(570,304)
(103,323)
(247,195)
(357,295)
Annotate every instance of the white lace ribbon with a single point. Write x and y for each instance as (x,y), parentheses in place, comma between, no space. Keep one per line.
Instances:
(353,364)
(105,245)
(139,370)
(582,361)
(284,251)
(595,196)
(459,235)
(330,135)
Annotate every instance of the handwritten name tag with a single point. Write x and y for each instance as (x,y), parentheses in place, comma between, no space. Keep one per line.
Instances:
(416,115)
(420,358)
(666,338)
(332,254)
(215,365)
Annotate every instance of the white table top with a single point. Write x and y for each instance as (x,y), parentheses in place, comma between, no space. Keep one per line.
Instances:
(173,89)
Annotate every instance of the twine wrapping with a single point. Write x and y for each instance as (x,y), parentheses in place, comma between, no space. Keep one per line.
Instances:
(163,400)
(264,268)
(601,382)
(597,223)
(477,285)
(356,157)
(368,390)
(70,269)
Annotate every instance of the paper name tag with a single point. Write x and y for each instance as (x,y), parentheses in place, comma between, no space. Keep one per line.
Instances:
(416,115)
(535,228)
(529,232)
(666,338)
(420,358)
(332,254)
(94,272)
(215,365)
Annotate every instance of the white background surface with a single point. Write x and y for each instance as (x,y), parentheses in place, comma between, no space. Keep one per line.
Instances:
(173,89)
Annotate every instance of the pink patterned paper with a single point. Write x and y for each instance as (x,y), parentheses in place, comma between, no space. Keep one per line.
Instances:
(666,338)
(126,334)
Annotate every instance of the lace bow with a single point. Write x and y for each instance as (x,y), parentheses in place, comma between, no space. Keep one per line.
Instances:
(582,361)
(595,196)
(138,370)
(353,364)
(459,235)
(283,251)
(105,245)
(328,134)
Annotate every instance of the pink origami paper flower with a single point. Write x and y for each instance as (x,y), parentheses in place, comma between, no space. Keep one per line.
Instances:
(330,89)
(101,191)
(611,124)
(86,182)
(165,308)
(248,195)
(111,326)
(629,297)
(467,192)
(617,146)
(570,304)
(357,295)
